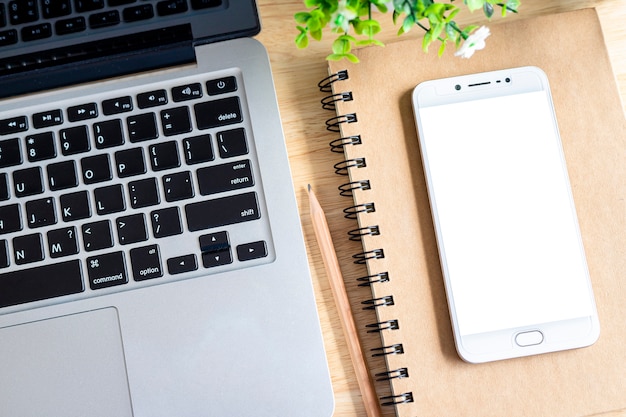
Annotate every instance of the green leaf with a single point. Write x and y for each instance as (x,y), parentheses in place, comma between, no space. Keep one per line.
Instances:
(367,27)
(426,41)
(408,23)
(317,34)
(368,42)
(302,17)
(474,4)
(442,48)
(488,10)
(339,57)
(343,44)
(302,41)
(437,29)
(452,14)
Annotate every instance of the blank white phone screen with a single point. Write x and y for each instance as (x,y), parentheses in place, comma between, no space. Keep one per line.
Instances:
(511,245)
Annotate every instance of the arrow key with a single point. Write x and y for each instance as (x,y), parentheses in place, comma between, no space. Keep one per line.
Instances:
(252,250)
(213,259)
(181,264)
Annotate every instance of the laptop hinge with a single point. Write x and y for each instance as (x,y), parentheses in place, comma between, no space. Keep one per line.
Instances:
(96,61)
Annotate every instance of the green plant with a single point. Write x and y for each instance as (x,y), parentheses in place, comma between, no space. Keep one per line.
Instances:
(435,18)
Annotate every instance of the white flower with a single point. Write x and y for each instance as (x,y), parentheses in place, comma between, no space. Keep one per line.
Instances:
(342,16)
(474,42)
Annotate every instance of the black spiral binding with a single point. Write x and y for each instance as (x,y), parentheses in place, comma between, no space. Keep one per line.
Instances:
(347,190)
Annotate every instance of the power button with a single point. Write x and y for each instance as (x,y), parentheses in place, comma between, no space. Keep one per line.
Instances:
(221,86)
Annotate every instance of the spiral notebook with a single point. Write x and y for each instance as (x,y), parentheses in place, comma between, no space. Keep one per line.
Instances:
(384,175)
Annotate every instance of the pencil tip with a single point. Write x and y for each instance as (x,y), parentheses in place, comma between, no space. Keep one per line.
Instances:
(309,186)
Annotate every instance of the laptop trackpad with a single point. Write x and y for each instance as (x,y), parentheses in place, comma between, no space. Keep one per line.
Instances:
(67,366)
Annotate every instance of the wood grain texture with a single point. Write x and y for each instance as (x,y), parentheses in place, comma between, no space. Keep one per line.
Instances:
(296,74)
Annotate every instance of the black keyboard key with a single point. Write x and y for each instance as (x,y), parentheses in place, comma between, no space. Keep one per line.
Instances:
(104,19)
(74,140)
(115,3)
(164,155)
(182,264)
(117,105)
(222,211)
(13,125)
(137,13)
(82,112)
(109,199)
(205,4)
(3,16)
(143,193)
(10,153)
(250,251)
(170,7)
(75,206)
(36,32)
(106,270)
(142,127)
(130,162)
(216,113)
(97,235)
(27,182)
(187,92)
(40,283)
(40,146)
(55,8)
(225,177)
(214,242)
(131,229)
(108,133)
(40,213)
(166,222)
(72,25)
(175,121)
(5,192)
(146,262)
(152,99)
(23,11)
(213,259)
(8,37)
(5,261)
(62,242)
(221,86)
(178,186)
(62,175)
(10,219)
(82,6)
(198,149)
(232,143)
(27,249)
(96,168)
(47,119)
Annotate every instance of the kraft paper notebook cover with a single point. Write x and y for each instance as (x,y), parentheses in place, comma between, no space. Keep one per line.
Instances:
(379,139)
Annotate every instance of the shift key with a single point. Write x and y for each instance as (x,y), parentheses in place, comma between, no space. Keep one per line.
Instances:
(222,211)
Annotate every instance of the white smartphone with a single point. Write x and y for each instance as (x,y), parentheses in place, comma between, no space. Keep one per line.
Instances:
(511,253)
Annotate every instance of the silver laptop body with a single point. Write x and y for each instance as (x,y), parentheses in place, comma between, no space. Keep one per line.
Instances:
(184,290)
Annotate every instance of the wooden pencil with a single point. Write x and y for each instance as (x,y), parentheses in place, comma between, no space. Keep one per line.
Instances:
(331,264)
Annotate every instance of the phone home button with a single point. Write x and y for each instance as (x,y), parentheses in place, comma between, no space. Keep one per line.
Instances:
(531,338)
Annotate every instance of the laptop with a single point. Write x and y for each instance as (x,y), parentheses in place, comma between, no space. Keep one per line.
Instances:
(152,261)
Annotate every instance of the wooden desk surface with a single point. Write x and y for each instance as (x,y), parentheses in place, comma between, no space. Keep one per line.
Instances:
(296,74)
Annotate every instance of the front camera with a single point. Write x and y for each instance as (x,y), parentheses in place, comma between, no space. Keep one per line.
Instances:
(457,87)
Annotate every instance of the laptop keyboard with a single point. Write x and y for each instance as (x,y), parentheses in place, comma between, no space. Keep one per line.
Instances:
(129,188)
(34,20)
